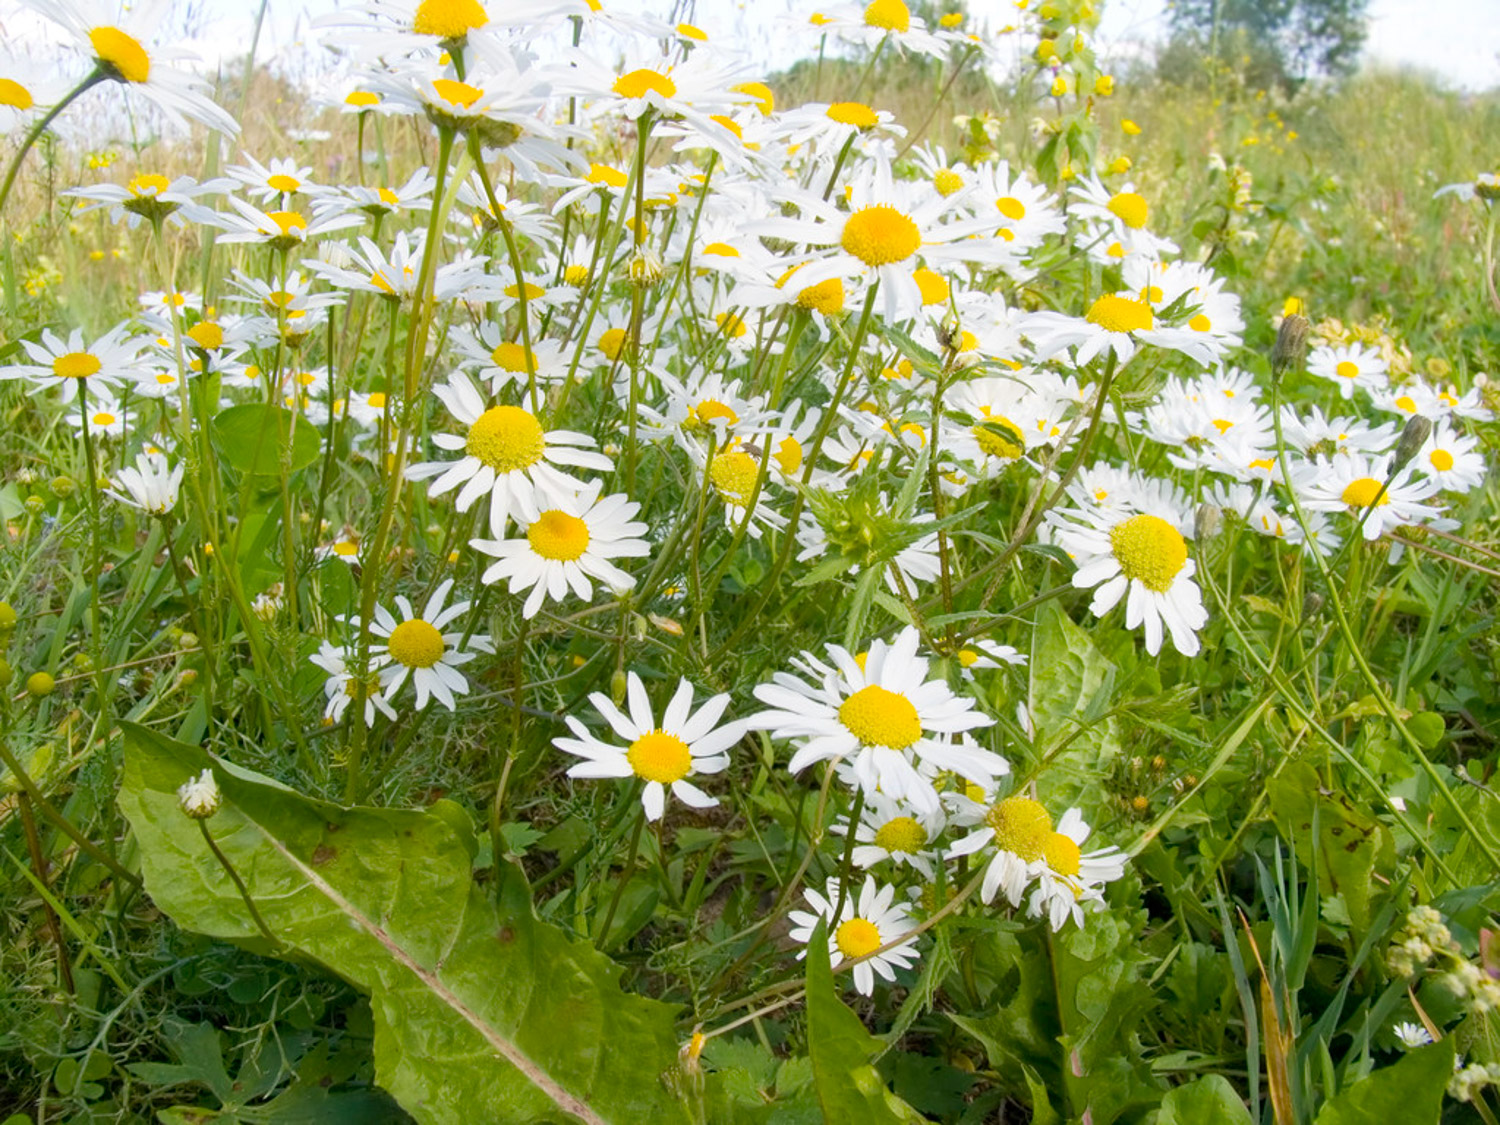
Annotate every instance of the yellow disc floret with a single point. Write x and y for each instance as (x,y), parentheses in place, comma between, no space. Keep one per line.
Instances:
(1121,314)
(415,643)
(120,56)
(506,438)
(13,94)
(612,342)
(1361,493)
(513,357)
(638,83)
(857,937)
(1000,437)
(456,93)
(449,19)
(734,474)
(880,235)
(76,365)
(892,15)
(947,181)
(558,536)
(933,286)
(853,113)
(1062,854)
(878,717)
(1021,826)
(1149,550)
(1011,207)
(659,756)
(826,297)
(1441,460)
(903,834)
(1130,208)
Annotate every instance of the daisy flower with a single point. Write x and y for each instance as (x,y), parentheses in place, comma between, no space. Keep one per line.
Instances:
(1144,559)
(500,362)
(986,654)
(151,486)
(1452,459)
(278,183)
(152,197)
(888,830)
(1068,877)
(686,743)
(416,648)
(869,920)
(1349,366)
(879,712)
(1115,322)
(868,25)
(1365,489)
(1019,829)
(71,364)
(280,230)
(1121,217)
(566,546)
(343,687)
(506,454)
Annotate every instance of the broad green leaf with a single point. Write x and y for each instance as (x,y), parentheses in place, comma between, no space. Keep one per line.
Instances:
(1209,1100)
(252,437)
(1071,684)
(1410,1092)
(850,1089)
(476,1002)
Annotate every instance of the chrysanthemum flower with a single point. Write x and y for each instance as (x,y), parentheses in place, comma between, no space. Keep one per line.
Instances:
(1019,828)
(71,364)
(416,648)
(1067,876)
(889,830)
(1349,366)
(685,744)
(1365,488)
(567,545)
(870,919)
(880,712)
(507,454)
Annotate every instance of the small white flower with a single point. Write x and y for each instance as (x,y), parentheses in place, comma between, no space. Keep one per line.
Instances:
(151,486)
(1412,1034)
(867,922)
(199,796)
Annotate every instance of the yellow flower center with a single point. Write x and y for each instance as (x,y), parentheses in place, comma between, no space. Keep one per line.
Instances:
(76,365)
(880,235)
(933,286)
(346,549)
(122,55)
(1120,314)
(998,436)
(13,94)
(765,100)
(612,343)
(1062,854)
(1149,550)
(1022,827)
(416,644)
(878,717)
(148,183)
(284,183)
(1200,323)
(688,31)
(721,250)
(376,400)
(857,938)
(506,438)
(1361,493)
(711,410)
(207,335)
(291,223)
(789,455)
(558,536)
(734,474)
(659,756)
(576,276)
(362,99)
(903,834)
(449,19)
(638,83)
(103,418)
(1130,208)
(826,297)
(513,357)
(457,93)
(731,325)
(947,181)
(892,15)
(1011,207)
(1441,460)
(1347,370)
(853,113)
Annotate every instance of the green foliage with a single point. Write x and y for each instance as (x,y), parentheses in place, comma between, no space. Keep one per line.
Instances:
(1409,1091)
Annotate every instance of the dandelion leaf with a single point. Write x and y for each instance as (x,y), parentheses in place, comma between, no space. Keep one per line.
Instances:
(476,1002)
(1410,1092)
(1071,685)
(1209,1100)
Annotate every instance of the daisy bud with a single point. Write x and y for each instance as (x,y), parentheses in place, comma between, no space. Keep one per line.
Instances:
(618,683)
(645,267)
(1290,346)
(39,684)
(198,797)
(1206,522)
(1312,605)
(1413,437)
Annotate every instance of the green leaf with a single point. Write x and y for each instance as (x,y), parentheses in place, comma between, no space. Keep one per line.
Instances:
(850,1089)
(1071,685)
(252,438)
(476,1002)
(1410,1092)
(1209,1100)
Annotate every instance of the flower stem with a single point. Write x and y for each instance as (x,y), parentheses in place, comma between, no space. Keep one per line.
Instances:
(94,78)
(260,923)
(614,902)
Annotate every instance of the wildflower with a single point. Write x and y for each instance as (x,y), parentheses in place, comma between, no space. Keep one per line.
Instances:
(685,744)
(1349,366)
(151,486)
(870,919)
(1366,488)
(1412,1035)
(1019,828)
(151,197)
(71,364)
(343,687)
(416,648)
(199,796)
(1067,877)
(889,830)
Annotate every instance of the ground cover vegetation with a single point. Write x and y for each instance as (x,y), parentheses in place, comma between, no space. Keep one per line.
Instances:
(562,577)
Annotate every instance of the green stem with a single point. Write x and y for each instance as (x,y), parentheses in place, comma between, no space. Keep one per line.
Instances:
(260,923)
(625,876)
(95,77)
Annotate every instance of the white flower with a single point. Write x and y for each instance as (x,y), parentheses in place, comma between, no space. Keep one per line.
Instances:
(1067,877)
(1349,366)
(199,796)
(1412,1034)
(888,830)
(686,743)
(151,486)
(565,546)
(1365,488)
(867,922)
(416,648)
(342,687)
(1019,828)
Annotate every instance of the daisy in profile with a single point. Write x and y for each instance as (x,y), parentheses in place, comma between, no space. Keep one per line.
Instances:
(981,654)
(151,197)
(880,712)
(276,184)
(1119,219)
(152,486)
(280,230)
(70,364)
(686,743)
(1366,489)
(500,362)
(343,687)
(1019,829)
(889,831)
(567,546)
(507,455)
(121,45)
(416,648)
(1349,366)
(880,21)
(1068,877)
(869,920)
(1143,558)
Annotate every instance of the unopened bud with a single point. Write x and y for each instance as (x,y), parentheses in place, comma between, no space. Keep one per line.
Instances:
(1206,522)
(1290,346)
(199,796)
(1312,605)
(40,684)
(62,487)
(617,686)
(1413,438)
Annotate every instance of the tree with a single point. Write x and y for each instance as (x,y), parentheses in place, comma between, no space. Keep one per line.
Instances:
(1287,41)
